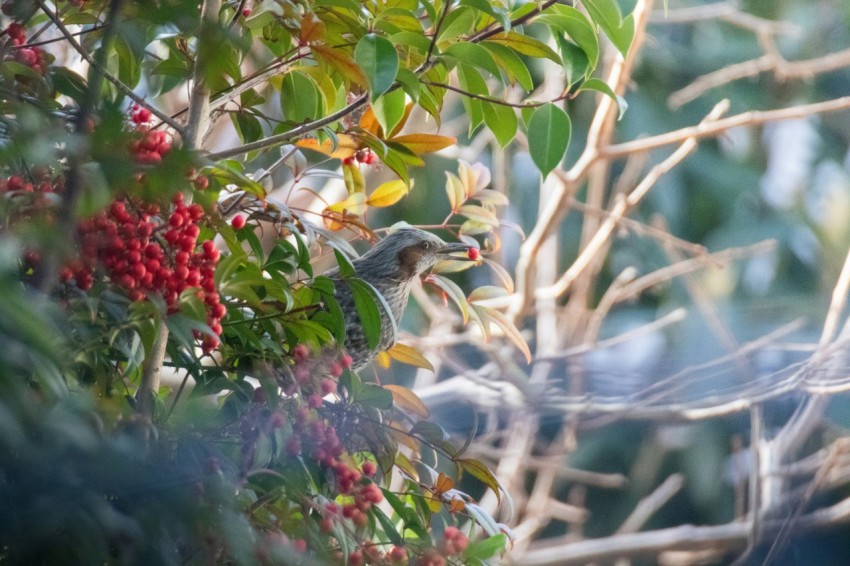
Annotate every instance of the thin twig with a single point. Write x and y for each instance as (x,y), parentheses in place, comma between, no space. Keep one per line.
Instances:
(101,68)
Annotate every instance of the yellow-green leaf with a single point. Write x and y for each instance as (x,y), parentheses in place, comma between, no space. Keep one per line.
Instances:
(354,204)
(526,45)
(354,181)
(425,143)
(410,356)
(388,194)
(341,61)
(481,472)
(454,188)
(479,214)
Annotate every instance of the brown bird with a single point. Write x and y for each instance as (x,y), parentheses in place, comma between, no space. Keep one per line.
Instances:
(391,267)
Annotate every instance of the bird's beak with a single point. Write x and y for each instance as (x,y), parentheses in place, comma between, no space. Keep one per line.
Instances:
(455,248)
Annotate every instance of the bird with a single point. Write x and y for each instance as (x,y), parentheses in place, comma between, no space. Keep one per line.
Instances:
(391,267)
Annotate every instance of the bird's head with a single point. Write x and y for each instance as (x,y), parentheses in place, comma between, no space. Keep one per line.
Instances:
(405,254)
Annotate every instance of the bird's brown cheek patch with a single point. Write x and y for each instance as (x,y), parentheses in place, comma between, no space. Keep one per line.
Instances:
(407,260)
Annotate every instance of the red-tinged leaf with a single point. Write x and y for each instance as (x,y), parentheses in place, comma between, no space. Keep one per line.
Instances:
(455,294)
(353,176)
(346,146)
(502,274)
(341,61)
(421,144)
(482,318)
(485,293)
(410,356)
(526,45)
(479,214)
(474,177)
(312,28)
(388,194)
(482,473)
(511,331)
(454,188)
(408,401)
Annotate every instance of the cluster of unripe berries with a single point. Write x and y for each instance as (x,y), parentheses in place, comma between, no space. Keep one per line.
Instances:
(365,156)
(32,57)
(142,255)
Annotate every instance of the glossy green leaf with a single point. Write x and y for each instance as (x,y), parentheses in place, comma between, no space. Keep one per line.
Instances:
(389,109)
(606,14)
(570,21)
(486,548)
(601,86)
(367,309)
(501,120)
(471,81)
(299,97)
(473,54)
(378,59)
(551,136)
(510,63)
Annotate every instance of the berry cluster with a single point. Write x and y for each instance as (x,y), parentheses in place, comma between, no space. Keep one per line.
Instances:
(154,144)
(365,156)
(124,241)
(32,57)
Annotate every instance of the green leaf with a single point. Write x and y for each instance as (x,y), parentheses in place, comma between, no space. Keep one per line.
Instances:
(378,58)
(486,548)
(607,15)
(575,63)
(388,527)
(346,269)
(247,126)
(501,120)
(601,86)
(471,81)
(570,21)
(129,70)
(299,97)
(69,83)
(525,45)
(493,10)
(473,54)
(510,63)
(367,309)
(389,109)
(551,136)
(376,396)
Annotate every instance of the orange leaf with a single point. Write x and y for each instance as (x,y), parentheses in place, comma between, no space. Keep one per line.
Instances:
(407,400)
(443,483)
(345,147)
(456,505)
(369,122)
(425,143)
(341,61)
(312,28)
(388,194)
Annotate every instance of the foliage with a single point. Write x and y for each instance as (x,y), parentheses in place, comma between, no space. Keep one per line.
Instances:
(124,253)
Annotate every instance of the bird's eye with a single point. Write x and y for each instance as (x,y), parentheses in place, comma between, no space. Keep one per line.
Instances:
(425,245)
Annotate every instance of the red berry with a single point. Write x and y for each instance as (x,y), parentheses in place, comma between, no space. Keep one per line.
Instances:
(238,222)
(473,254)
(246,12)
(369,468)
